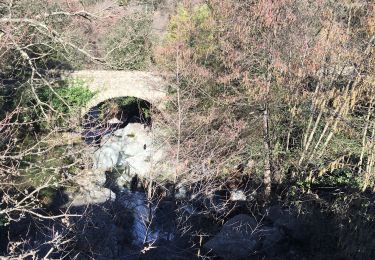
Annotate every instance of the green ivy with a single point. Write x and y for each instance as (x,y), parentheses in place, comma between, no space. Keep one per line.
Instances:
(68,97)
(339,177)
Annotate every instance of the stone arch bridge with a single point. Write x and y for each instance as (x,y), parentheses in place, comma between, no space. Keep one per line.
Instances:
(110,84)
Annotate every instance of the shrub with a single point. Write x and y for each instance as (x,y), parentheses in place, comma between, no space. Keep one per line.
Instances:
(194,29)
(129,46)
(70,96)
(64,101)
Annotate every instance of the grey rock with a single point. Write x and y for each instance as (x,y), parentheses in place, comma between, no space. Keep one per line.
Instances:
(124,180)
(288,220)
(90,190)
(107,156)
(181,192)
(272,238)
(92,195)
(131,148)
(89,178)
(238,238)
(274,213)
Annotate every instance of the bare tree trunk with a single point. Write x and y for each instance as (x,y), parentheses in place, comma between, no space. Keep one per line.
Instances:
(179,117)
(267,157)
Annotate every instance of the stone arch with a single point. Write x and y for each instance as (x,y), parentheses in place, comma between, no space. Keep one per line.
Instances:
(109,84)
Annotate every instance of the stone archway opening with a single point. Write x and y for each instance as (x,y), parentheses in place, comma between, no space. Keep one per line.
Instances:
(120,132)
(114,114)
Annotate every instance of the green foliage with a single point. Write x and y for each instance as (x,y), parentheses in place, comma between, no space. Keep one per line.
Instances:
(339,177)
(117,104)
(60,102)
(126,101)
(129,45)
(195,28)
(129,102)
(49,159)
(146,112)
(37,169)
(343,143)
(68,97)
(47,195)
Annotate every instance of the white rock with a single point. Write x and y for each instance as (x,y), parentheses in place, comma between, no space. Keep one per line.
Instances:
(130,147)
(114,121)
(237,195)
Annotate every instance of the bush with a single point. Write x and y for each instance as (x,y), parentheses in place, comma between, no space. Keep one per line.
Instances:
(194,29)
(129,46)
(70,96)
(64,101)
(37,169)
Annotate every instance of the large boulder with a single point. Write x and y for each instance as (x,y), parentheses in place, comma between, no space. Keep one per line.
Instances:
(238,239)
(288,221)
(273,239)
(91,195)
(90,177)
(132,150)
(90,189)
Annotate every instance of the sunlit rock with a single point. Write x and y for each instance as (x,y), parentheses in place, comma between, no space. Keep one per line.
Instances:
(237,195)
(130,149)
